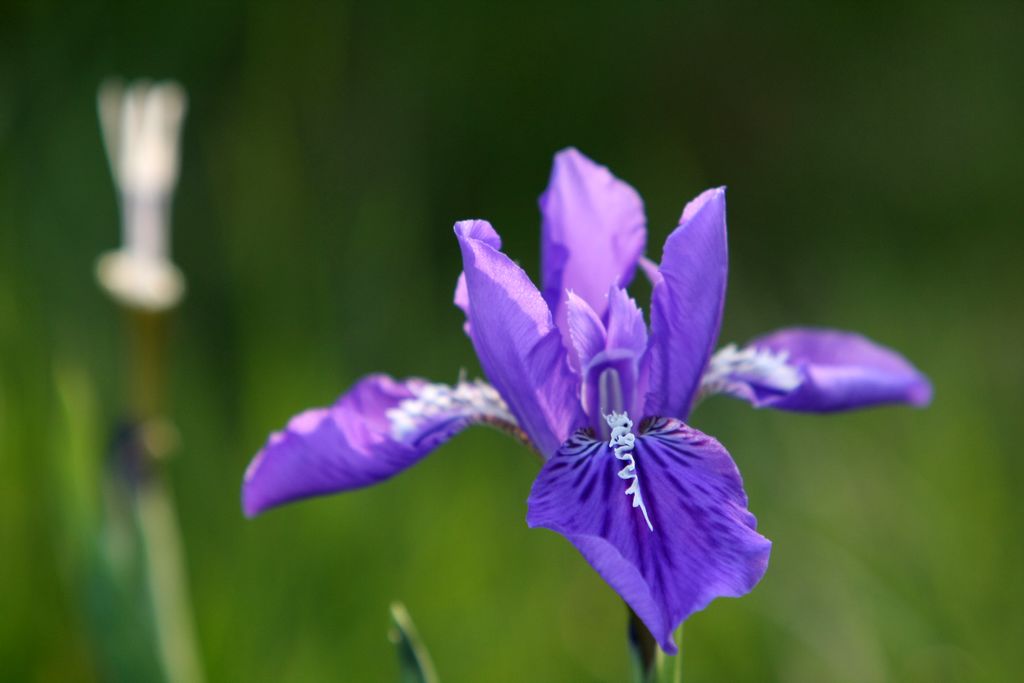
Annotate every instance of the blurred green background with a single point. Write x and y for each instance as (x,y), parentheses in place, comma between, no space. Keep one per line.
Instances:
(873,154)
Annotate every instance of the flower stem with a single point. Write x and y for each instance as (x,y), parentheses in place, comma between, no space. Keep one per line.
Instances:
(643,647)
(155,513)
(164,555)
(650,663)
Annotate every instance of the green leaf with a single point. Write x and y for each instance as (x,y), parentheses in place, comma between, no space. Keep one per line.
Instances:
(415,665)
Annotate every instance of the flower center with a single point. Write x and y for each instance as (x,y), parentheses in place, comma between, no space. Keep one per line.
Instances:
(623,440)
(609,393)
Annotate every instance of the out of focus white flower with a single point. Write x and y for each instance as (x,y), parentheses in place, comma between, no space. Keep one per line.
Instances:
(141,131)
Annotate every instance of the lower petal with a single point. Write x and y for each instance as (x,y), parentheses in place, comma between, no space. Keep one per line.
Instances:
(375,430)
(690,540)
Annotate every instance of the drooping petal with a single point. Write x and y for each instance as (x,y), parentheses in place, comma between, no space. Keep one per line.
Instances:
(701,543)
(375,430)
(593,230)
(686,305)
(519,347)
(816,370)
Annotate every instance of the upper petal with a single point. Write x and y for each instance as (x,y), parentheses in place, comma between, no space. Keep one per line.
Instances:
(461,299)
(375,430)
(618,349)
(701,542)
(482,231)
(519,347)
(686,305)
(626,328)
(816,370)
(586,331)
(593,230)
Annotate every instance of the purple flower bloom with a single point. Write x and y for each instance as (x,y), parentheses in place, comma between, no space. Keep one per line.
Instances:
(655,506)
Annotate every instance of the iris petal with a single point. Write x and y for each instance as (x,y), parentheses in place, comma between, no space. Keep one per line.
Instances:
(593,230)
(626,327)
(816,370)
(480,230)
(703,544)
(586,331)
(686,305)
(378,428)
(518,345)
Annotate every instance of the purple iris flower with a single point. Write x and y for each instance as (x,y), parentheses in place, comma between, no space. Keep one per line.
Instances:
(655,506)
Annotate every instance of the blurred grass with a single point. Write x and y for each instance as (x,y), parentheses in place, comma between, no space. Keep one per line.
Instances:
(873,158)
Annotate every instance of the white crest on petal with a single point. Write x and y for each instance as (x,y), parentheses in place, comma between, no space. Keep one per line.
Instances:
(432,401)
(732,367)
(623,441)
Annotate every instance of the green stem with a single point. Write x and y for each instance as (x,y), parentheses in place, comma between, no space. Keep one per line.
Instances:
(670,667)
(650,663)
(164,561)
(155,513)
(643,646)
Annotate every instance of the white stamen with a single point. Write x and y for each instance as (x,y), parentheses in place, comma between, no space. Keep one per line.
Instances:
(731,367)
(623,441)
(476,399)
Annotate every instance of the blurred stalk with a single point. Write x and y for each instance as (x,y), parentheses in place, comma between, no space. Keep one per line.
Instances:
(141,126)
(162,547)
